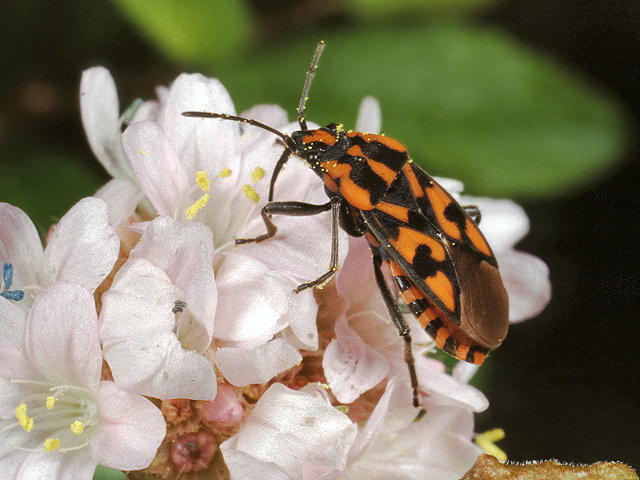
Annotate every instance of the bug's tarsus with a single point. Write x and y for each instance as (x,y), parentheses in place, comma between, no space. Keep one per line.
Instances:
(307,85)
(474,213)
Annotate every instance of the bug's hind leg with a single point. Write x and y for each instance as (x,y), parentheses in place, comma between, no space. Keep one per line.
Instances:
(474,212)
(402,328)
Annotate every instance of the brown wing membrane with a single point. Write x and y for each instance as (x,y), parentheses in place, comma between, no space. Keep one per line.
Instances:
(447,215)
(418,249)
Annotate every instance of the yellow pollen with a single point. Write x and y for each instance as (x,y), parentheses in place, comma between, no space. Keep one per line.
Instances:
(203,181)
(343,408)
(51,444)
(486,442)
(197,206)
(143,152)
(51,401)
(225,172)
(257,174)
(77,427)
(24,420)
(250,193)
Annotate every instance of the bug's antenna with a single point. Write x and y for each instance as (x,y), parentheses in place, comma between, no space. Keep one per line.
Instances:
(307,84)
(225,116)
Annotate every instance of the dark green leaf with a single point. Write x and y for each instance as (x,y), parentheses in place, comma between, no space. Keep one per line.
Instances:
(45,184)
(468,102)
(191,31)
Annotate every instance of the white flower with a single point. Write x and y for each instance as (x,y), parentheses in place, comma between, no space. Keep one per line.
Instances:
(81,249)
(157,317)
(300,435)
(102,123)
(217,173)
(57,419)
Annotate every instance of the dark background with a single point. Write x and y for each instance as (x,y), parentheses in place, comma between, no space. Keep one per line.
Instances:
(569,385)
(564,385)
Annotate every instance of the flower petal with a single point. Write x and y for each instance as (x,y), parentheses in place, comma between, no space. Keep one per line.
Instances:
(253,301)
(121,196)
(244,366)
(83,248)
(350,366)
(130,430)
(526,278)
(212,143)
(504,223)
(40,464)
(164,177)
(13,322)
(369,116)
(302,434)
(245,466)
(20,245)
(100,117)
(53,342)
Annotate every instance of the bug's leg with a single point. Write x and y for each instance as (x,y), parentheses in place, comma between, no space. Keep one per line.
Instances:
(319,282)
(292,209)
(474,212)
(402,328)
(276,171)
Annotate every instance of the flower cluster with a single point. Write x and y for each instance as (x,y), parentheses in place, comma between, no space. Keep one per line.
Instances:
(143,337)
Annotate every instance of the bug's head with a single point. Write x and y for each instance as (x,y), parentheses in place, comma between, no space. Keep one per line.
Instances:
(321,144)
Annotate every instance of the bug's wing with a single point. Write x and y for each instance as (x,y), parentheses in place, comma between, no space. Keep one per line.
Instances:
(446,214)
(414,244)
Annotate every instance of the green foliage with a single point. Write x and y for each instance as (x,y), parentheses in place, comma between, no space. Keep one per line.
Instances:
(46,184)
(467,101)
(189,31)
(104,473)
(382,9)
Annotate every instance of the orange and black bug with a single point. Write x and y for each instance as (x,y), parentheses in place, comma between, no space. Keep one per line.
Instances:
(442,266)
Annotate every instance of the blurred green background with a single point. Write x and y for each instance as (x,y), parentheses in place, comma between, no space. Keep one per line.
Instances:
(537,101)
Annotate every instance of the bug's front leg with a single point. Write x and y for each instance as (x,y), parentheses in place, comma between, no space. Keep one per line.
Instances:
(322,280)
(298,209)
(402,329)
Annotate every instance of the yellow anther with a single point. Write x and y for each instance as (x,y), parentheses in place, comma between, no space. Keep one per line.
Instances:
(486,442)
(77,427)
(143,152)
(225,172)
(257,174)
(51,401)
(202,180)
(24,420)
(250,193)
(51,444)
(197,206)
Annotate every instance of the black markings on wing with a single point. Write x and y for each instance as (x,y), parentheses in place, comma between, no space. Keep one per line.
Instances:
(421,253)
(450,218)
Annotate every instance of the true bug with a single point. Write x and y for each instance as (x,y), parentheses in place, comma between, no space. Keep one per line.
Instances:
(442,266)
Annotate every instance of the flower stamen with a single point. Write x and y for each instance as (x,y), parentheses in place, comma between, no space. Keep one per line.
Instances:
(7,277)
(203,182)
(250,193)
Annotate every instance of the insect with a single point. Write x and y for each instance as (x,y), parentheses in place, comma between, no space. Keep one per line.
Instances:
(442,266)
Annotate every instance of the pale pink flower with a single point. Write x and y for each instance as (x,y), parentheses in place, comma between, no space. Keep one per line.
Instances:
(157,317)
(300,435)
(82,249)
(57,419)
(217,173)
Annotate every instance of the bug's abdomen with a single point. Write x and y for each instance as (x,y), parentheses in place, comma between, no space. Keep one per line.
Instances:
(446,334)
